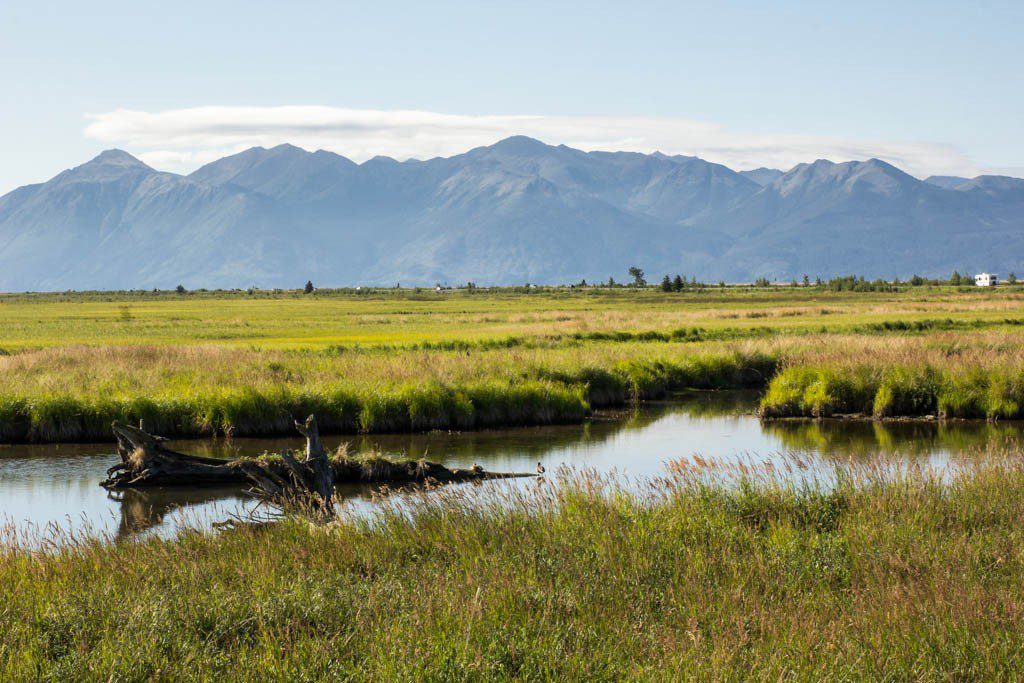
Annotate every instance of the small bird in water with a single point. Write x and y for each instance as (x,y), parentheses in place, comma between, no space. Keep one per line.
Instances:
(477,468)
(540,468)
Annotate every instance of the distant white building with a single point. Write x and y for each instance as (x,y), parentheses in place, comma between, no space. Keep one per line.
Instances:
(986,279)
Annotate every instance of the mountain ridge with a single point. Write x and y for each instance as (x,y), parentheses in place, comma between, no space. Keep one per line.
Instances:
(515,211)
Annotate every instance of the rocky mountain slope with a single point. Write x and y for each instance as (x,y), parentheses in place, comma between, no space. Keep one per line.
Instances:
(516,211)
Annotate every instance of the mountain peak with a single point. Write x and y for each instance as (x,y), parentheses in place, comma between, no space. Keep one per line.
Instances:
(110,164)
(992,183)
(282,170)
(287,148)
(520,144)
(874,162)
(847,177)
(882,172)
(115,157)
(844,169)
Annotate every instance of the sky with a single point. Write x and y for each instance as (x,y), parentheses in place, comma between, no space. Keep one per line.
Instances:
(934,87)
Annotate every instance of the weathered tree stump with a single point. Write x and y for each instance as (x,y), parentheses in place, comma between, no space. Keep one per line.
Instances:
(145,461)
(281,479)
(307,485)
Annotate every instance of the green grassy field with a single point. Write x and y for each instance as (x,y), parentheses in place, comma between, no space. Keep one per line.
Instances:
(291,320)
(913,576)
(386,360)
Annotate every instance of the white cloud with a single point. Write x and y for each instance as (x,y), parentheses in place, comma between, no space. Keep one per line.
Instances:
(182,139)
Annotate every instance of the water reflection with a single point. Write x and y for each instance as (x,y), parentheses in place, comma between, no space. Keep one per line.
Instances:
(45,485)
(866,439)
(143,509)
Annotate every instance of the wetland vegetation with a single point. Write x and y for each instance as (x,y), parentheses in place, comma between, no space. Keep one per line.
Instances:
(906,575)
(700,571)
(396,360)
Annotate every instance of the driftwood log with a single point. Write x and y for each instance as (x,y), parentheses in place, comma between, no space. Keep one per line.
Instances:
(307,485)
(283,479)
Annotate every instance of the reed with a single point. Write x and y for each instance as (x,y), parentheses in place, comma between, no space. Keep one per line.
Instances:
(73,394)
(907,574)
(990,391)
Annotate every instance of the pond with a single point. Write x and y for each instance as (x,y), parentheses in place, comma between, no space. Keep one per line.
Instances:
(55,486)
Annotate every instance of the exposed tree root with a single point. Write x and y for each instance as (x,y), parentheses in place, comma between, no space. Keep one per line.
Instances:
(285,480)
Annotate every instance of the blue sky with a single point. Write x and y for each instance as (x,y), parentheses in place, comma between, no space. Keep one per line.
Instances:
(935,87)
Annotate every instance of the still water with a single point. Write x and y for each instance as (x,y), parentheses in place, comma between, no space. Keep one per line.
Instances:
(46,487)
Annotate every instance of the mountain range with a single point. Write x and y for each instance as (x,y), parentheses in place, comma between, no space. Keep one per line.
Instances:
(514,212)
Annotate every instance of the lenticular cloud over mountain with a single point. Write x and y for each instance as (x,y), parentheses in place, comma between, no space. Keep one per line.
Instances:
(181,139)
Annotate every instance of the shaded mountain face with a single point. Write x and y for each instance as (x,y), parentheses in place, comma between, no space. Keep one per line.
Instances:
(673,189)
(946,182)
(872,218)
(762,176)
(514,212)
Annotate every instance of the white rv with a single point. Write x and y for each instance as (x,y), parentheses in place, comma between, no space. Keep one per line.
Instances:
(986,279)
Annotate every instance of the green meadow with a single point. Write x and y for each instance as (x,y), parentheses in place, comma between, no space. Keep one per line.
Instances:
(382,317)
(203,363)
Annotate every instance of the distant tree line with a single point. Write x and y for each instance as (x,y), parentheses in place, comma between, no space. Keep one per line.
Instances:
(668,284)
(680,284)
(853,283)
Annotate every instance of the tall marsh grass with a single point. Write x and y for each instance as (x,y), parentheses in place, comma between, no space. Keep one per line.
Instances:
(73,394)
(907,575)
(946,391)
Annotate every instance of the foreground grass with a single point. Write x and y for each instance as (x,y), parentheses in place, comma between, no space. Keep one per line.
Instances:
(913,576)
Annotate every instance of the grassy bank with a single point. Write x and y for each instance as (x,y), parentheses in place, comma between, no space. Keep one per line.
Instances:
(74,394)
(238,363)
(916,577)
(951,390)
